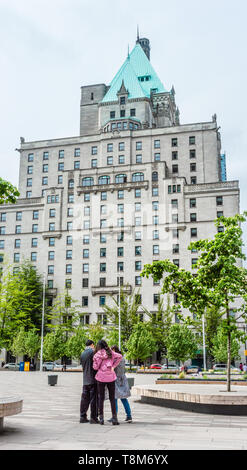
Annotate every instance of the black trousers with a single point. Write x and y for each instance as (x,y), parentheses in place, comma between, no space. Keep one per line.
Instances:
(89,398)
(101,397)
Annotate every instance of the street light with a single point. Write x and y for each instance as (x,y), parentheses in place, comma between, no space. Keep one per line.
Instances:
(119,316)
(204,345)
(42,325)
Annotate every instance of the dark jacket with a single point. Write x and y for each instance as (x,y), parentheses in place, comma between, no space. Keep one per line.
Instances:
(87,365)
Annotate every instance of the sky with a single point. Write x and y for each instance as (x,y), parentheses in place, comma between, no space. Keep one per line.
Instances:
(50,48)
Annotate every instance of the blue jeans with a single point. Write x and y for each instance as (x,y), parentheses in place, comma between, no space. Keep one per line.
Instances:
(126,406)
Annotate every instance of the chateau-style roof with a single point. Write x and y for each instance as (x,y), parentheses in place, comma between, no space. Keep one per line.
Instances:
(138,76)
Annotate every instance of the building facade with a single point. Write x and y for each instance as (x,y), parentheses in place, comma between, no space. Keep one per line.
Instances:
(135,186)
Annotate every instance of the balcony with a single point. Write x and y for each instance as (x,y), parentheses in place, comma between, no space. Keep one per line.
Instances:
(110,290)
(112,187)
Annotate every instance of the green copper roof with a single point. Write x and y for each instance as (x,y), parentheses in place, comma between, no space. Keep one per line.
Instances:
(138,75)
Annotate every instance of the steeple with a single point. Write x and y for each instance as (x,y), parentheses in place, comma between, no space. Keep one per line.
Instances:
(144,43)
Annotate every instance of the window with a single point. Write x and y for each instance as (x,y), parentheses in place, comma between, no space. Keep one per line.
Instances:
(137,206)
(139,158)
(16,257)
(120,266)
(156,298)
(193,167)
(69,240)
(85,282)
(120,194)
(176,262)
(103,238)
(51,226)
(68,268)
(120,237)
(138,280)
(33,256)
(175,233)
(120,251)
(175,248)
(174,155)
(192,203)
(103,196)
(138,192)
(50,269)
(193,180)
(138,221)
(86,210)
(138,250)
(45,180)
(71,183)
(85,301)
(85,320)
(120,208)
(219,200)
(109,160)
(68,254)
(50,283)
(155,176)
(76,165)
(17,243)
(122,178)
(94,163)
(17,229)
(29,182)
(61,154)
(28,194)
(87,181)
(192,153)
(174,203)
(45,168)
(120,222)
(103,223)
(121,159)
(174,142)
(122,99)
(138,235)
(112,114)
(137,177)
(220,229)
(156,249)
(77,152)
(60,179)
(155,191)
(45,155)
(155,234)
(104,179)
(94,150)
(69,211)
(157,157)
(193,217)
(102,252)
(68,283)
(122,112)
(220,214)
(132,112)
(192,140)
(3,217)
(86,197)
(51,241)
(29,170)
(138,145)
(30,157)
(174,169)
(174,218)
(35,214)
(102,281)
(193,232)
(101,300)
(86,224)
(194,262)
(157,144)
(51,255)
(2,244)
(70,198)
(109,147)
(155,220)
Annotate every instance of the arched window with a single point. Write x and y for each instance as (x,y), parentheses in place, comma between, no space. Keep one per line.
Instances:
(71,183)
(104,179)
(88,181)
(137,177)
(155,176)
(121,178)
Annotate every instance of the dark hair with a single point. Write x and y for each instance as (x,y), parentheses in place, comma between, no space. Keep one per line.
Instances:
(103,345)
(89,342)
(116,349)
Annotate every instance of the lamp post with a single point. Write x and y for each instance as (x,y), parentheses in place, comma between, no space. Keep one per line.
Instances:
(119,315)
(42,325)
(204,345)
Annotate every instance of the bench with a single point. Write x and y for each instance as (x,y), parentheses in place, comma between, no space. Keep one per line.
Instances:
(9,406)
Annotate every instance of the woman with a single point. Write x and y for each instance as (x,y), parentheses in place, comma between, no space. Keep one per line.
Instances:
(122,389)
(104,361)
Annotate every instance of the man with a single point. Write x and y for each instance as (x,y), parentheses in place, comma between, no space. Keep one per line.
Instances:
(89,390)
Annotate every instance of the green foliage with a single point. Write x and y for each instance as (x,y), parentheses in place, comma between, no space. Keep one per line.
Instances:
(8,192)
(32,343)
(160,323)
(141,343)
(76,343)
(18,347)
(219,347)
(182,344)
(95,332)
(65,313)
(54,344)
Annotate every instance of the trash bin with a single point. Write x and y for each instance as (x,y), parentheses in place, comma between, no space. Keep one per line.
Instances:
(52,380)
(21,367)
(131,381)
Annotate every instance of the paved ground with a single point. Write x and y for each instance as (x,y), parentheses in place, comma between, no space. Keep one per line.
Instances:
(50,421)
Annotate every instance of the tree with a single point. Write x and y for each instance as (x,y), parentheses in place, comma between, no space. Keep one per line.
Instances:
(18,347)
(181,344)
(32,343)
(8,192)
(76,343)
(219,346)
(65,313)
(95,332)
(141,343)
(54,346)
(130,305)
(219,281)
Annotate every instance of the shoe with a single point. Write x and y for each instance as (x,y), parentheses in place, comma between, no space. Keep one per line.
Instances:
(101,420)
(84,420)
(109,420)
(94,421)
(128,419)
(114,421)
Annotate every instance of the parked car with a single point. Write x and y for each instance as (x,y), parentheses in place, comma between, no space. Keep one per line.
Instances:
(223,367)
(11,366)
(48,365)
(164,366)
(155,366)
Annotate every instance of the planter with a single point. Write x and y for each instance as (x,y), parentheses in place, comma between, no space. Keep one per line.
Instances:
(200,381)
(52,380)
(131,381)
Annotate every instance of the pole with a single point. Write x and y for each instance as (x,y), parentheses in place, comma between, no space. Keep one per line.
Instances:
(204,346)
(42,325)
(119,317)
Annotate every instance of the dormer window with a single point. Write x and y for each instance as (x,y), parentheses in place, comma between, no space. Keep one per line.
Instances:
(122,100)
(144,78)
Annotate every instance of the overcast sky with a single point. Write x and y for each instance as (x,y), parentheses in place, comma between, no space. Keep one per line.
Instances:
(49,48)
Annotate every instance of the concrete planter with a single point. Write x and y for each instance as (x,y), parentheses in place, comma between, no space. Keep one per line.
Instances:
(131,381)
(199,381)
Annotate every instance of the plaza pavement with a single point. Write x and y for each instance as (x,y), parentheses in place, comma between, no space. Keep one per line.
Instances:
(50,420)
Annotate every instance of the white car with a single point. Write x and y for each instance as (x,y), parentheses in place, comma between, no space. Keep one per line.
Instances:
(11,366)
(48,365)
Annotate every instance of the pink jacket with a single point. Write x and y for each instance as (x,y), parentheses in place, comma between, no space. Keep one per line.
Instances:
(104,364)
